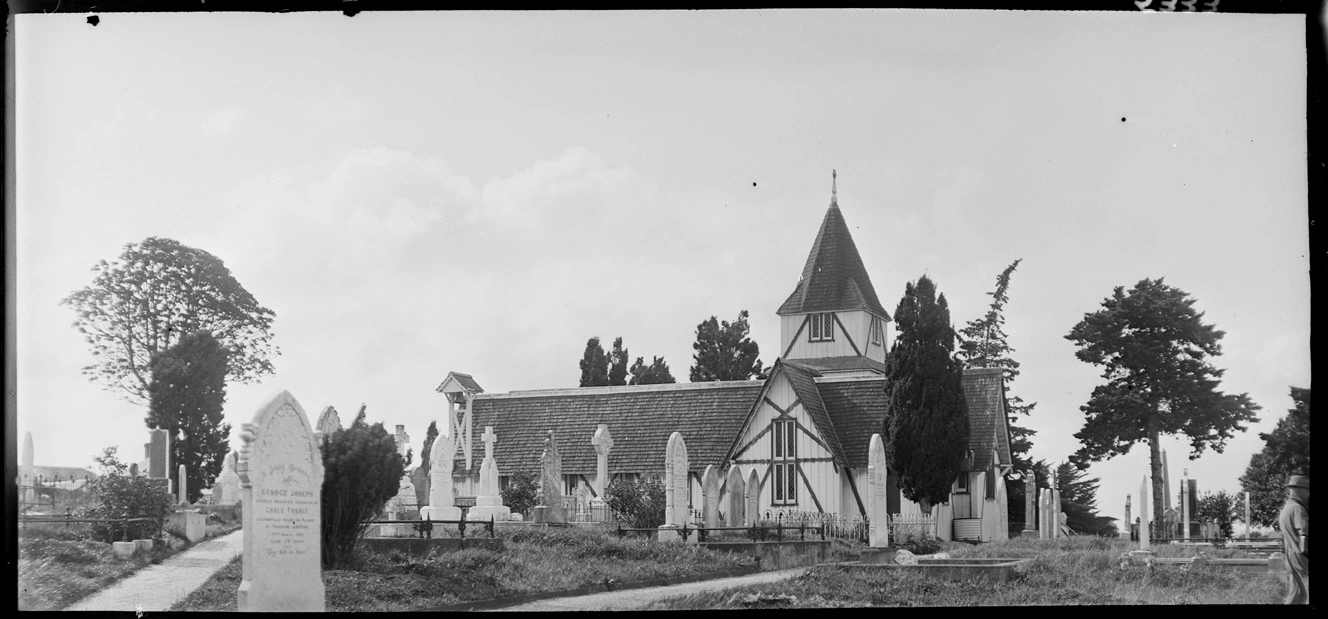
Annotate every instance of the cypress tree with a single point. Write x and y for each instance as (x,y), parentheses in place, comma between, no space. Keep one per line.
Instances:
(185,397)
(926,426)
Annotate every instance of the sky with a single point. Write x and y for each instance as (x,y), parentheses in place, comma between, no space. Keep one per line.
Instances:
(481,192)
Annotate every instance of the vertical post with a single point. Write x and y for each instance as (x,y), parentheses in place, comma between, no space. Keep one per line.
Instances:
(1247,515)
(490,526)
(1185,504)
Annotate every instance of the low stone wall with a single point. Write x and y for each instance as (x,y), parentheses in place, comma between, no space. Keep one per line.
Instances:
(778,555)
(419,547)
(985,570)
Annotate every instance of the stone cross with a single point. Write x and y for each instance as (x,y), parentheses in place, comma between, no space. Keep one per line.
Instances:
(878,525)
(281,481)
(753,490)
(710,496)
(403,440)
(677,487)
(551,482)
(489,501)
(737,504)
(603,443)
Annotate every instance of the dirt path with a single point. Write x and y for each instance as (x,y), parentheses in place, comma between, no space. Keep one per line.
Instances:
(638,598)
(158,587)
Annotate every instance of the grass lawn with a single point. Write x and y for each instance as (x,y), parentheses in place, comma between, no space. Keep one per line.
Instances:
(58,566)
(535,560)
(1074,571)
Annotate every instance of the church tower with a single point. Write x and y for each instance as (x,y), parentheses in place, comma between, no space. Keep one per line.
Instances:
(833,321)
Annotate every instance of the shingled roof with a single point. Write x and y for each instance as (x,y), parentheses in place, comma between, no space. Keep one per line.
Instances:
(857,408)
(803,380)
(988,428)
(850,362)
(640,420)
(834,278)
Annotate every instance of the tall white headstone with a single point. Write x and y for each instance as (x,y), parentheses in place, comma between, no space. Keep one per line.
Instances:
(710,496)
(737,503)
(281,481)
(226,489)
(489,501)
(442,498)
(753,490)
(184,486)
(877,496)
(677,491)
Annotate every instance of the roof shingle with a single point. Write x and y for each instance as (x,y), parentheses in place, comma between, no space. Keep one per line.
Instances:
(834,278)
(988,428)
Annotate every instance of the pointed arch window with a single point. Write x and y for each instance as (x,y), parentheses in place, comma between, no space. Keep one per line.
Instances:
(784,454)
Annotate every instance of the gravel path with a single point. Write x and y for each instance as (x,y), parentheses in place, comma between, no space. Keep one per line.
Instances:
(639,598)
(158,587)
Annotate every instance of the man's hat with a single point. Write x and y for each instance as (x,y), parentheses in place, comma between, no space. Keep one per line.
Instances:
(1298,481)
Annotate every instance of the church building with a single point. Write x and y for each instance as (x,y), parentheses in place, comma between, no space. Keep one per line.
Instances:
(803,432)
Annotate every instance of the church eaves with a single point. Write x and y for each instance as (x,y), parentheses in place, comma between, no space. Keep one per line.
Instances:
(834,278)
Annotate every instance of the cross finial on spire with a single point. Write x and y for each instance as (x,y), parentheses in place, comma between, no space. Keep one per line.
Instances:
(834,187)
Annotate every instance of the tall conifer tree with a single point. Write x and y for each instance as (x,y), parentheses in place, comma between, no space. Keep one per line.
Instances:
(186,396)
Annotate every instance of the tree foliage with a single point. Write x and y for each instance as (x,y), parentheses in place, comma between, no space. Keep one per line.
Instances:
(121,495)
(186,397)
(983,345)
(154,294)
(617,363)
(362,472)
(521,493)
(1286,452)
(429,435)
(1220,508)
(655,373)
(636,502)
(594,365)
(724,352)
(1079,502)
(1154,350)
(926,425)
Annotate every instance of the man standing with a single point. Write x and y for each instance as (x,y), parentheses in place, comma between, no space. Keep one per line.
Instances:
(1295,524)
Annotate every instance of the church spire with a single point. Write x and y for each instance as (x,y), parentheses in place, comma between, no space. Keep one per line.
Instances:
(834,188)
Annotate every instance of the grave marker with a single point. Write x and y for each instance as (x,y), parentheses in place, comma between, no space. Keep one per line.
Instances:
(878,523)
(737,505)
(281,479)
(550,509)
(1030,507)
(676,487)
(710,497)
(28,456)
(442,457)
(1144,504)
(184,486)
(753,491)
(159,455)
(603,445)
(489,501)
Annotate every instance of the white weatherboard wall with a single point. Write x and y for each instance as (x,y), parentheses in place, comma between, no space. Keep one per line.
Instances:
(855,325)
(815,460)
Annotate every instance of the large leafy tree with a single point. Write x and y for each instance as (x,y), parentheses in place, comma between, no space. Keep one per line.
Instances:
(594,365)
(1286,452)
(724,352)
(1079,502)
(1220,508)
(1154,350)
(157,292)
(186,397)
(655,373)
(983,344)
(926,425)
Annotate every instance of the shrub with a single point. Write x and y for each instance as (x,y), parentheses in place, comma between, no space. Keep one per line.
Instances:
(636,503)
(361,472)
(921,545)
(521,493)
(121,495)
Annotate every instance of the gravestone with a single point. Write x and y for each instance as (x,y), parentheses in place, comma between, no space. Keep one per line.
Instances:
(489,500)
(226,489)
(753,491)
(28,455)
(1144,505)
(550,508)
(328,422)
(904,557)
(878,519)
(442,499)
(406,501)
(184,486)
(677,490)
(281,480)
(603,444)
(737,505)
(159,455)
(1125,531)
(1030,508)
(710,497)
(419,477)
(133,470)
(582,499)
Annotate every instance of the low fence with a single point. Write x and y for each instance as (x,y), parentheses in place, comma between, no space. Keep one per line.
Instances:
(757,533)
(424,528)
(904,526)
(111,524)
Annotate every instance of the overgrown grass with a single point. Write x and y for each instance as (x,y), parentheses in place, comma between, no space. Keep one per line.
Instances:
(535,560)
(1074,571)
(59,565)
